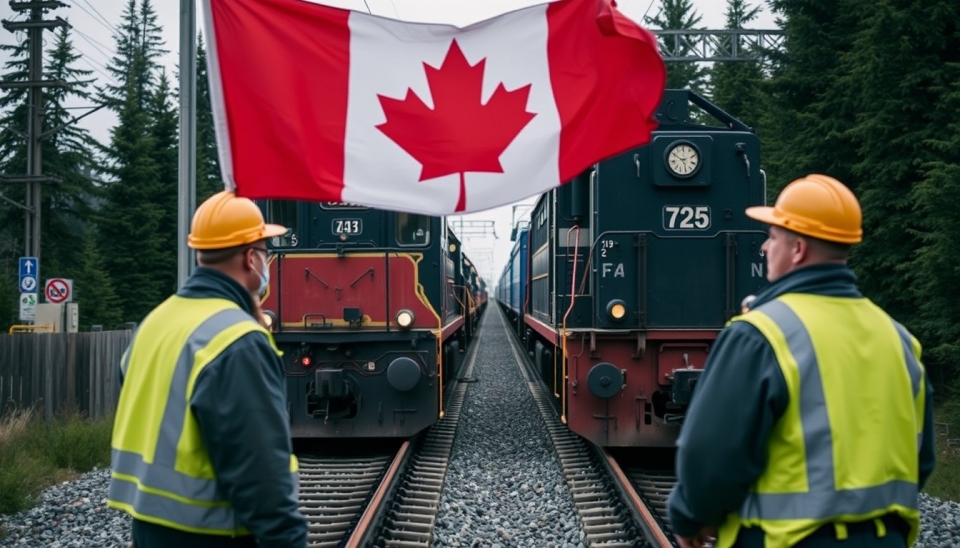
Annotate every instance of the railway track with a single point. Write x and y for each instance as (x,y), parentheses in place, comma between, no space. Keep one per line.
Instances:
(336,490)
(645,490)
(618,507)
(384,496)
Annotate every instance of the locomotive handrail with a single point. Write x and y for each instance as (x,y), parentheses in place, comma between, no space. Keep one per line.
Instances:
(573,297)
(313,325)
(718,113)
(470,300)
(458,300)
(308,274)
(369,271)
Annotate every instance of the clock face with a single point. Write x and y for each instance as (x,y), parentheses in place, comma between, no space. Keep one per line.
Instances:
(683,160)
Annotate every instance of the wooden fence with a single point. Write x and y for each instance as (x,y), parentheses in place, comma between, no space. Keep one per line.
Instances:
(54,372)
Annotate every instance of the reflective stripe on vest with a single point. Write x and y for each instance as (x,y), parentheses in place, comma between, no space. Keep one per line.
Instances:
(916,372)
(157,489)
(823,500)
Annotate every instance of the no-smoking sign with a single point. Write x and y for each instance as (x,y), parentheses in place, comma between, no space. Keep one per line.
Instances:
(59,290)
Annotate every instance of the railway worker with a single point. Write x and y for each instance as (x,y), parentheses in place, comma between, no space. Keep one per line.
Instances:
(201,449)
(812,423)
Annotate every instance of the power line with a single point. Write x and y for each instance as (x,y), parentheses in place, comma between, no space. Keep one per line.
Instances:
(102,20)
(650,5)
(104,74)
(94,43)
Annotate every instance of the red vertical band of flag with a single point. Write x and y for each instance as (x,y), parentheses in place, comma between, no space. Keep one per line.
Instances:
(605,83)
(284,73)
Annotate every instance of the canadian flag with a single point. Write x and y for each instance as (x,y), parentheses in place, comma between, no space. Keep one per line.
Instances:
(318,103)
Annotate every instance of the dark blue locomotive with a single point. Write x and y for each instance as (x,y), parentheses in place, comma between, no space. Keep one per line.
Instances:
(373,311)
(624,276)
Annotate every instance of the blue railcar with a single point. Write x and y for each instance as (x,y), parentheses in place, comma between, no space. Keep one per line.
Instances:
(511,291)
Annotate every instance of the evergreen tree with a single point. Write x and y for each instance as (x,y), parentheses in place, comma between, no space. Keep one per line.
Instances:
(737,85)
(9,293)
(129,222)
(139,46)
(13,149)
(67,153)
(867,92)
(810,103)
(208,160)
(131,218)
(907,162)
(93,289)
(164,123)
(679,15)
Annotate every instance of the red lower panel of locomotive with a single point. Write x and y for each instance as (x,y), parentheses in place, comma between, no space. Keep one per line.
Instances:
(361,388)
(626,390)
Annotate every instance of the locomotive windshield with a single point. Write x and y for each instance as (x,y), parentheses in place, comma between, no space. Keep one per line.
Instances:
(284,213)
(413,229)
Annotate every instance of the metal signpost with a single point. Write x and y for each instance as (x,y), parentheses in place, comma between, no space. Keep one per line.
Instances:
(29,284)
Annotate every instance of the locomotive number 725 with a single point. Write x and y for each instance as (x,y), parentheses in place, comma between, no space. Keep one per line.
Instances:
(686,217)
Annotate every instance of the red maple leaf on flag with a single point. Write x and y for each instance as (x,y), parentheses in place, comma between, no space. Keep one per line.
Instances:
(459,134)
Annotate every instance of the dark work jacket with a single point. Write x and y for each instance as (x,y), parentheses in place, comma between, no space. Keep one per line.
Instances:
(722,448)
(239,401)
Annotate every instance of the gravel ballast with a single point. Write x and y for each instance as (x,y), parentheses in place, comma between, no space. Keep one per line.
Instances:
(504,485)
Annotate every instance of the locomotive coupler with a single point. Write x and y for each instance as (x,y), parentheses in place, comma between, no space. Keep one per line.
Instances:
(682,385)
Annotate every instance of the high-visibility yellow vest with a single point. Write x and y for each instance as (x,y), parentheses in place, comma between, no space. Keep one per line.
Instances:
(847,447)
(161,469)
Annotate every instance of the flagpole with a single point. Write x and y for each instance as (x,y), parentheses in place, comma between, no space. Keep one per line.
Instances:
(187,169)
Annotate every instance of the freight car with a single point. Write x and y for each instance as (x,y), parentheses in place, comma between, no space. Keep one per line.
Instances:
(372,310)
(626,274)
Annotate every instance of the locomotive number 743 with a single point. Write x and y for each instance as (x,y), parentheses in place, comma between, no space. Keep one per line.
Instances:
(347,226)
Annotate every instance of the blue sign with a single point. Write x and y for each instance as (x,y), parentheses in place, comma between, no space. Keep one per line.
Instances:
(29,274)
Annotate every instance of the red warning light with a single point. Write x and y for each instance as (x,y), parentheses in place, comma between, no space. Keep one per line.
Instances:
(305,361)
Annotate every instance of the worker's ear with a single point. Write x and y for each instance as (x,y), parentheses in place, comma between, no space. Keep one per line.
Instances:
(800,250)
(251,262)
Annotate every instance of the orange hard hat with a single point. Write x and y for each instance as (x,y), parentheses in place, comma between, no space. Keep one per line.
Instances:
(225,220)
(817,206)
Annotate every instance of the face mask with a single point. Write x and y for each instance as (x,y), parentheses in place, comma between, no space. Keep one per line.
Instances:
(264,278)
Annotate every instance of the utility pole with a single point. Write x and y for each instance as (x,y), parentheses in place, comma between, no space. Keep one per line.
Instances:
(34,177)
(187,172)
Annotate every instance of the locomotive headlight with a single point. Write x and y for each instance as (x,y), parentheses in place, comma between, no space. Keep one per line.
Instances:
(404,318)
(269,320)
(617,309)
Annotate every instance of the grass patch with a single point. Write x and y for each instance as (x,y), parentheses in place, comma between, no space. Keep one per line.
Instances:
(37,453)
(944,483)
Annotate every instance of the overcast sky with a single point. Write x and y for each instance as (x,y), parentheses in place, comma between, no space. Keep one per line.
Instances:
(94,22)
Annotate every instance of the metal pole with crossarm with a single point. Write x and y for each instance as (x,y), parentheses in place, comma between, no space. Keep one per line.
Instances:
(35,83)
